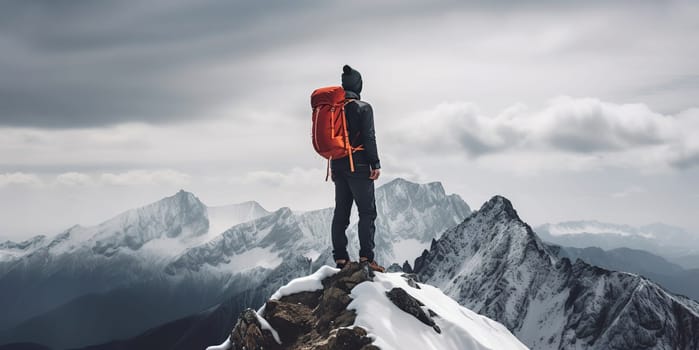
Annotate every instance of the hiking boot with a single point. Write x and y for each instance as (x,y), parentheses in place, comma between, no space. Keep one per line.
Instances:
(372,265)
(340,264)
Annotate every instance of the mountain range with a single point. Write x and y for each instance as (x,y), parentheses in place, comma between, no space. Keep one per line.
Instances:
(176,257)
(494,263)
(672,243)
(176,274)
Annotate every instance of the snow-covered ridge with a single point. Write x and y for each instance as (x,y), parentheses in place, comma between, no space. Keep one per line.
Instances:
(384,321)
(11,250)
(410,215)
(494,264)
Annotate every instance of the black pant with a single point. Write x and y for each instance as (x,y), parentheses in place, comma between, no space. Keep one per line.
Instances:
(353,186)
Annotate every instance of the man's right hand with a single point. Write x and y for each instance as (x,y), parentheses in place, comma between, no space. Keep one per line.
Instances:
(375,174)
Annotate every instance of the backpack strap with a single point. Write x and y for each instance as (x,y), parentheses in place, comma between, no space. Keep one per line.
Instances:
(327,170)
(348,145)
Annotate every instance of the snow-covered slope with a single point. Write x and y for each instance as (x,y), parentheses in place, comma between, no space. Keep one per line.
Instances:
(461,328)
(10,251)
(383,319)
(260,242)
(224,217)
(494,264)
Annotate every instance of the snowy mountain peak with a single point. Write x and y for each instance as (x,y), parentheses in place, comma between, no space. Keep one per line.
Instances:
(494,264)
(23,244)
(435,186)
(499,205)
(182,199)
(181,216)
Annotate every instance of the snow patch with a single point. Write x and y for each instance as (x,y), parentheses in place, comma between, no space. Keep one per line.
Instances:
(393,329)
(225,346)
(266,326)
(164,247)
(305,284)
(255,257)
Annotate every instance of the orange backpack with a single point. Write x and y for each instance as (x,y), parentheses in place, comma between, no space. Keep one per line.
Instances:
(329,133)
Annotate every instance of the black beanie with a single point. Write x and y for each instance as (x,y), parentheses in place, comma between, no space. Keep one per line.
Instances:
(351,80)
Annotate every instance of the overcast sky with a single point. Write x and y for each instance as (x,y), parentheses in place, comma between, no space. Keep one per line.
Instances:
(582,110)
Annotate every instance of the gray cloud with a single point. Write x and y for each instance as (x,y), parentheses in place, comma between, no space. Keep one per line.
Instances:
(590,126)
(85,63)
(578,130)
(687,161)
(209,83)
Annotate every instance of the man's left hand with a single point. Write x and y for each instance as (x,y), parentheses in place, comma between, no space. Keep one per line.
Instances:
(375,174)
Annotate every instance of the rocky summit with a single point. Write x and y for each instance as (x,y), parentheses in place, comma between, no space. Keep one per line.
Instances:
(355,309)
(309,320)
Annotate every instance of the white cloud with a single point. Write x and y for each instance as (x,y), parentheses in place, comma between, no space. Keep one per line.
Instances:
(146,177)
(74,179)
(568,133)
(296,177)
(629,191)
(138,177)
(19,178)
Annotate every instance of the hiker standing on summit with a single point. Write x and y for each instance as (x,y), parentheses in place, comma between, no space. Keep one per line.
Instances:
(357,185)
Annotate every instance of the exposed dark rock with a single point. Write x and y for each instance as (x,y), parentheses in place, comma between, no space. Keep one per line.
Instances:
(347,278)
(422,260)
(394,268)
(350,339)
(412,306)
(411,278)
(288,319)
(309,299)
(248,334)
(315,320)
(407,268)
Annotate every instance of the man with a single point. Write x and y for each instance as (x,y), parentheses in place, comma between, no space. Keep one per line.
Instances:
(357,186)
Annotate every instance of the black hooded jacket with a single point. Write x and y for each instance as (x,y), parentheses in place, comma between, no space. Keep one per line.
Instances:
(360,124)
